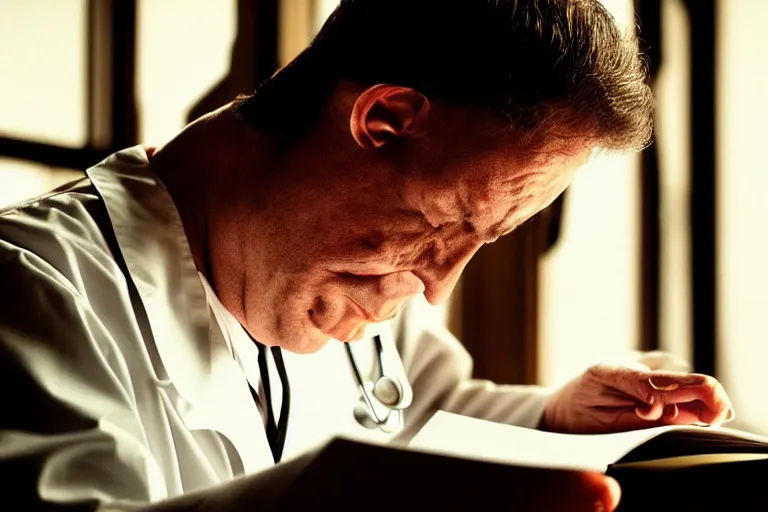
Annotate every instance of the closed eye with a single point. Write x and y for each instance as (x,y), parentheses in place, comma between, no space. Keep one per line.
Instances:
(374,240)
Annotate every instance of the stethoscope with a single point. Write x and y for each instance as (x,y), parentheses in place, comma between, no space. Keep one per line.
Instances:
(383,397)
(381,401)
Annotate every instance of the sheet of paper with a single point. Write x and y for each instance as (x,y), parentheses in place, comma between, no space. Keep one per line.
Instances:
(461,436)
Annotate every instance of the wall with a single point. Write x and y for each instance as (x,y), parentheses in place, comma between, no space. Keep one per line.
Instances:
(588,307)
(743,208)
(673,144)
(42,88)
(183,49)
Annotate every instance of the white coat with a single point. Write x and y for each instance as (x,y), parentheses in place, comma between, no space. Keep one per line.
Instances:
(131,389)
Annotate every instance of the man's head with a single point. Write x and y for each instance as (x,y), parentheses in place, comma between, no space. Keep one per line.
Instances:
(409,134)
(533,65)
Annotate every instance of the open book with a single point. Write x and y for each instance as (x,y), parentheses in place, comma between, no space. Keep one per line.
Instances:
(460,463)
(669,447)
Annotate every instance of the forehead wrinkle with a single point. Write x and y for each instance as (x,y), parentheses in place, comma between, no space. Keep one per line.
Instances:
(405,250)
(521,181)
(519,189)
(477,203)
(463,201)
(527,185)
(497,229)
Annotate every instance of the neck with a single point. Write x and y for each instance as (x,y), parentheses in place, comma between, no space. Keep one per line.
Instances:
(216,170)
(201,168)
(169,163)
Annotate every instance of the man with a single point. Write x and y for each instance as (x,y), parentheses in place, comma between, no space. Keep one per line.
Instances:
(138,304)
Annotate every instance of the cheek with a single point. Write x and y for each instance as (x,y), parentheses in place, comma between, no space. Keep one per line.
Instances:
(341,240)
(392,253)
(285,302)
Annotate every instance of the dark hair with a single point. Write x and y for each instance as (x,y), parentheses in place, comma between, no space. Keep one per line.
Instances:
(538,65)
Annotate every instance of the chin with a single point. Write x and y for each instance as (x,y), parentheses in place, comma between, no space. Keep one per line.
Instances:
(359,334)
(306,342)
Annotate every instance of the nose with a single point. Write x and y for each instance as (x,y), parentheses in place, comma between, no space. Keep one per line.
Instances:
(396,288)
(442,270)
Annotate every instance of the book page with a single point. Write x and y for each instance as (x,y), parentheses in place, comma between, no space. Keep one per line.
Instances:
(688,461)
(692,441)
(461,436)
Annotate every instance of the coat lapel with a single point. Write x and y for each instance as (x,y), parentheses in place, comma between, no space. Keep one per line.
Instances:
(195,358)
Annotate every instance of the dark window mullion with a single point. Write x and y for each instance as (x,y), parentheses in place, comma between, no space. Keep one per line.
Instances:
(111,71)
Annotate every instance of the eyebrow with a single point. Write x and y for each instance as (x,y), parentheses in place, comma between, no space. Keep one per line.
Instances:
(497,230)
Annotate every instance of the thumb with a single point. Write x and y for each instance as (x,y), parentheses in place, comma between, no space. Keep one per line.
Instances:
(611,493)
(567,491)
(605,489)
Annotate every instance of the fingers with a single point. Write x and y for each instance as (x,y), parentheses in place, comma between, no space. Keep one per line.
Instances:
(598,493)
(705,398)
(696,398)
(658,411)
(650,412)
(605,488)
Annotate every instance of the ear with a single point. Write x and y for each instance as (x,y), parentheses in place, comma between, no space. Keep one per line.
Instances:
(383,112)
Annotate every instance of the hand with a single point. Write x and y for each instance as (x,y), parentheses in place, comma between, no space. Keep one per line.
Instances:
(614,399)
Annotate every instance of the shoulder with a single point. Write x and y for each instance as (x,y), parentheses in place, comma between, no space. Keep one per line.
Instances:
(65,308)
(418,318)
(59,233)
(421,334)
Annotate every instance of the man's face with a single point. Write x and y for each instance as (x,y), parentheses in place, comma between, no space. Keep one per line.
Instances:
(334,252)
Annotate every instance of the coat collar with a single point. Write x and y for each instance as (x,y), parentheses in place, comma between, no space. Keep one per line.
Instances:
(193,351)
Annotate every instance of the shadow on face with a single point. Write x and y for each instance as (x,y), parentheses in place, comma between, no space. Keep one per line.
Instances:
(390,198)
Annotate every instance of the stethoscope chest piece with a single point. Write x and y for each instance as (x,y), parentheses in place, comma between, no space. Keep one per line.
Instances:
(382,401)
(392,421)
(388,391)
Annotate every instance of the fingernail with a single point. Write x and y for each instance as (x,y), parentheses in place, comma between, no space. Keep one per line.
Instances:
(670,412)
(661,387)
